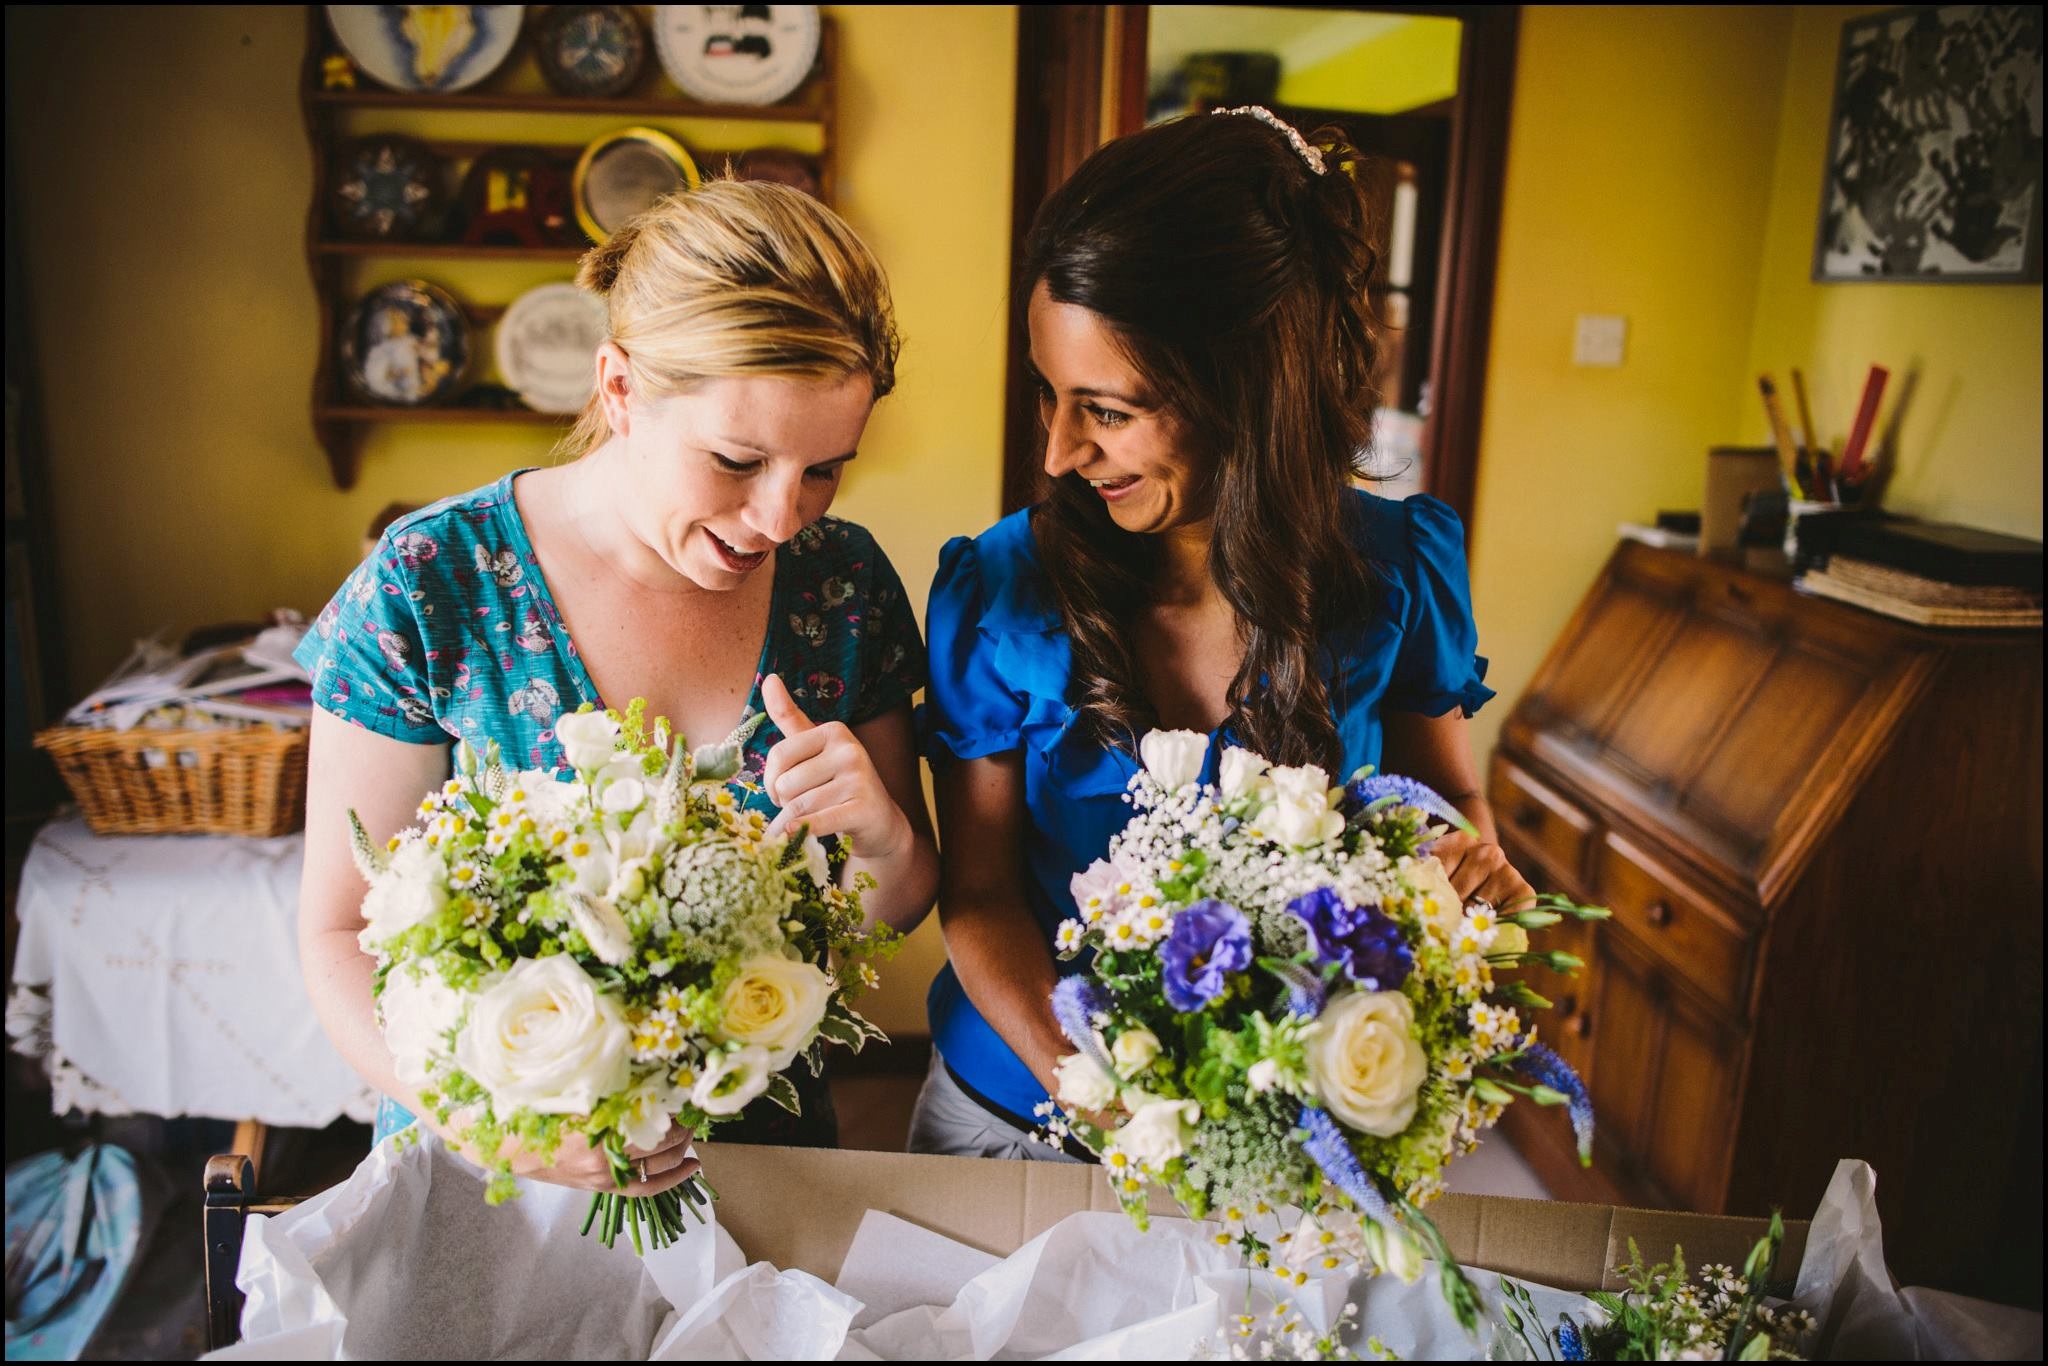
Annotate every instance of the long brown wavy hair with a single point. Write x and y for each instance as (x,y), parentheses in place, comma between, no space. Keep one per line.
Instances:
(1234,278)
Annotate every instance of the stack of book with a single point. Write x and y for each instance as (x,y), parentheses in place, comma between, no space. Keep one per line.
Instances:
(1928,573)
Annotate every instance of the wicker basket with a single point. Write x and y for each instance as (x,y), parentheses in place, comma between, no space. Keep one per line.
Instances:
(189,782)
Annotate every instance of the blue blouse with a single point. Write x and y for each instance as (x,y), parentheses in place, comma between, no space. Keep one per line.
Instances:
(1000,665)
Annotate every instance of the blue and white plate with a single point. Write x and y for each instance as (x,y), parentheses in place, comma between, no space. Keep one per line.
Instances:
(436,48)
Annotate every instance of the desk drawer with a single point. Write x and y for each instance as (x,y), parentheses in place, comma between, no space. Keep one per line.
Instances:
(1698,943)
(1544,822)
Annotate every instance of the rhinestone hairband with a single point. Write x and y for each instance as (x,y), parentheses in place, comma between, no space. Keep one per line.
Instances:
(1294,138)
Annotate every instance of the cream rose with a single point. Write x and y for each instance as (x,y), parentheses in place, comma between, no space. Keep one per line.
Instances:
(1134,1050)
(418,1010)
(1304,810)
(776,1003)
(1174,757)
(1436,901)
(1081,1083)
(1157,1133)
(588,738)
(730,1080)
(545,1038)
(1365,1062)
(413,889)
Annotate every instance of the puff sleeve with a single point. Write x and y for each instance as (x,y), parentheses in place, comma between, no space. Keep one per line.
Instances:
(969,712)
(369,657)
(1439,666)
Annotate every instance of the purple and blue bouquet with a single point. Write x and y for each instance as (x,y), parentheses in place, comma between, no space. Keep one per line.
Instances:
(1291,1020)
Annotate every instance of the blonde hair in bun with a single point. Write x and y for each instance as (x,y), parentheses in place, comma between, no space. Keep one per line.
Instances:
(740,277)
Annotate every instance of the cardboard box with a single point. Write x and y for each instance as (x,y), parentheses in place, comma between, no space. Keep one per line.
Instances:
(799,1207)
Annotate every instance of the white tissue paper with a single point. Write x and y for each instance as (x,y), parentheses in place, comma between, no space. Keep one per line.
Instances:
(406,1260)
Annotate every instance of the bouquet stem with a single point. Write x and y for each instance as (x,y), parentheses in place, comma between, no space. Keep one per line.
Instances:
(655,1220)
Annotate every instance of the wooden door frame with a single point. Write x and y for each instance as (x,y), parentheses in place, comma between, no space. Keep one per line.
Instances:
(1081,81)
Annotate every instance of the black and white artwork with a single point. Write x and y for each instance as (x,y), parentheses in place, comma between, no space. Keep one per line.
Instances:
(1934,149)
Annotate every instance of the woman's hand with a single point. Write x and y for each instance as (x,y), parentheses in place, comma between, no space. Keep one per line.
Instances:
(822,776)
(1480,871)
(579,1165)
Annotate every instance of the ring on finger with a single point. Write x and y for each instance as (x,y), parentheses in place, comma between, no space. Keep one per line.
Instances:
(640,1170)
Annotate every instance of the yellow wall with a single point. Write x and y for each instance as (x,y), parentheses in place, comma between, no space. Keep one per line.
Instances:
(1970,449)
(1413,63)
(164,175)
(1665,164)
(1638,178)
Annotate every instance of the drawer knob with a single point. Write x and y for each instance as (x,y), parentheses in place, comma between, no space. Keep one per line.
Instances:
(1659,913)
(1581,1025)
(1528,816)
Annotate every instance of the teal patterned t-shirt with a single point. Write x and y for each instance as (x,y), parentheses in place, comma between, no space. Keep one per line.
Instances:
(448,632)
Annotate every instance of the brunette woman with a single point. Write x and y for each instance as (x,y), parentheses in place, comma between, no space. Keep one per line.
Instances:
(1200,559)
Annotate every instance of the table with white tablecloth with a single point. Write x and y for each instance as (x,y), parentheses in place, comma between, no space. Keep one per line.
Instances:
(159,974)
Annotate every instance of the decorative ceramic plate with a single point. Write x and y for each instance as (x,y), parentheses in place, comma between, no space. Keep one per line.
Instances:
(386,188)
(626,173)
(591,51)
(436,48)
(737,54)
(782,166)
(406,343)
(518,197)
(547,346)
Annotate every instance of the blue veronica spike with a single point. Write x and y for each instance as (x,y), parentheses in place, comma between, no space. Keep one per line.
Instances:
(1368,791)
(1076,1001)
(1539,1064)
(1304,989)
(1570,1346)
(1326,1146)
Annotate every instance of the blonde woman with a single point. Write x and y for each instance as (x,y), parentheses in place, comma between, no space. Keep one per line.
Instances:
(684,556)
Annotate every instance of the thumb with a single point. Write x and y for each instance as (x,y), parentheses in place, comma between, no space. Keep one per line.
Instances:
(788,717)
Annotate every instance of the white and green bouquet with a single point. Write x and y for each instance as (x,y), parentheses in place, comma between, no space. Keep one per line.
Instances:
(607,953)
(1288,1005)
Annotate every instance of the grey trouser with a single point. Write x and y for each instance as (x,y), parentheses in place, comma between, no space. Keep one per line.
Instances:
(949,1121)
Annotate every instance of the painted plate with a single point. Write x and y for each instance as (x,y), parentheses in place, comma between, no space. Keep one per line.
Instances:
(547,346)
(626,173)
(438,48)
(737,54)
(386,189)
(591,51)
(406,344)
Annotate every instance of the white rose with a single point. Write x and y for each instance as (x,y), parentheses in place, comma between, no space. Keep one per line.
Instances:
(1157,1133)
(1304,811)
(1241,773)
(1174,757)
(732,1079)
(624,795)
(601,925)
(413,889)
(815,864)
(1366,1063)
(418,1010)
(1081,1084)
(1134,1050)
(649,1107)
(775,1003)
(544,1037)
(1435,901)
(589,739)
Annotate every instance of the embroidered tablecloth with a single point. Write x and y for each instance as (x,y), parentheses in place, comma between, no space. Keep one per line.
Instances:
(159,974)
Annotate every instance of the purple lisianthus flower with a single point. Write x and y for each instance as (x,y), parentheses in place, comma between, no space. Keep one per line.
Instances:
(1368,944)
(1208,942)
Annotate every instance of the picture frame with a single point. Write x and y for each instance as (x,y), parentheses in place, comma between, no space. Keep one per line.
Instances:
(1933,164)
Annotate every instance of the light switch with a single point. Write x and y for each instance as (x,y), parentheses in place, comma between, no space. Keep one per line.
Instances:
(1599,339)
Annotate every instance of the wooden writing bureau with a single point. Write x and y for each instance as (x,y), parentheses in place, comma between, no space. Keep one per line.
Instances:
(1819,831)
